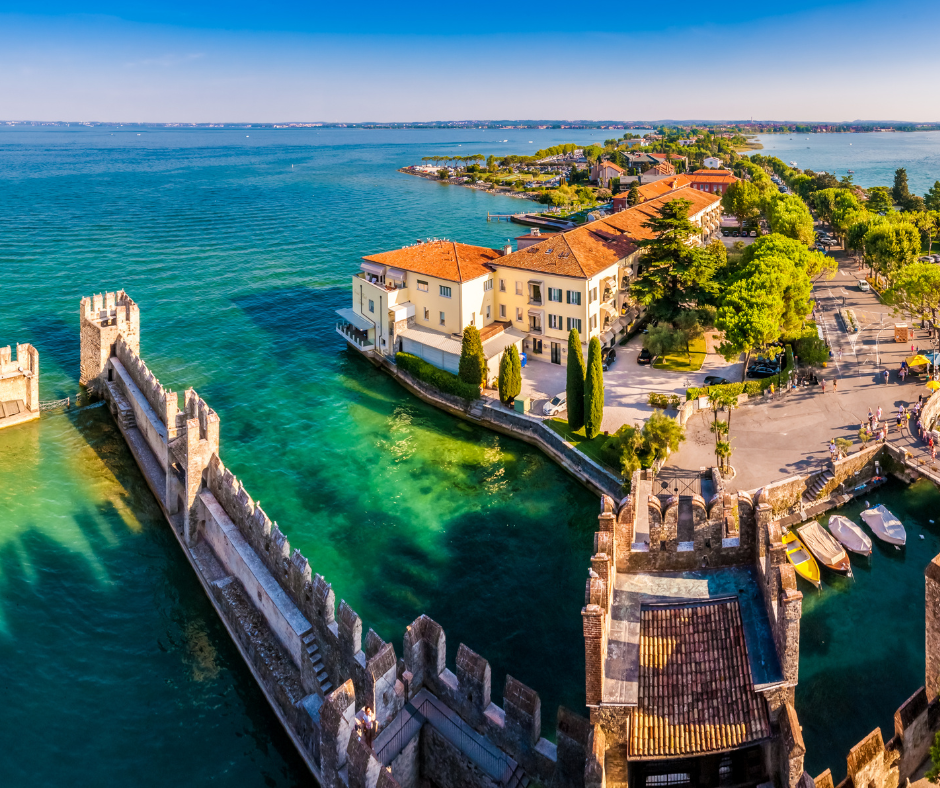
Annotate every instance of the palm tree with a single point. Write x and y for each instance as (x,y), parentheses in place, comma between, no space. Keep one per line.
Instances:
(723,450)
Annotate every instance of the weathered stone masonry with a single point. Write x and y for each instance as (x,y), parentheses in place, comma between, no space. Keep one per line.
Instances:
(308,655)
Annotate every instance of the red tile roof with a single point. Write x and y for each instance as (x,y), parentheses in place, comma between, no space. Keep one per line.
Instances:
(696,694)
(712,176)
(443,259)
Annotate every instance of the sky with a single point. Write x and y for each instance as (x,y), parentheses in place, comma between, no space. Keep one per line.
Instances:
(278,61)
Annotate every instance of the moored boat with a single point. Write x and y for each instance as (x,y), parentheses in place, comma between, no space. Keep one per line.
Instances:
(824,548)
(850,535)
(885,525)
(800,558)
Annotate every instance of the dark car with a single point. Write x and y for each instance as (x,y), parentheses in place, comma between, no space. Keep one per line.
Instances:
(761,371)
(645,358)
(735,234)
(714,380)
(608,358)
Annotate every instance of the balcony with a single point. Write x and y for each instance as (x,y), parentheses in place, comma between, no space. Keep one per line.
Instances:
(354,335)
(535,293)
(392,292)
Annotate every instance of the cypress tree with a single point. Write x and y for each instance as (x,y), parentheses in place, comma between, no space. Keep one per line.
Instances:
(505,373)
(574,390)
(593,390)
(515,366)
(472,367)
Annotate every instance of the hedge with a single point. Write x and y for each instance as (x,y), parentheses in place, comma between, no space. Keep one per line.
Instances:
(439,378)
(753,388)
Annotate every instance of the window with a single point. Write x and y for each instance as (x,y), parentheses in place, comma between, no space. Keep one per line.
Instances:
(518,288)
(443,319)
(574,322)
(593,297)
(502,285)
(535,294)
(518,315)
(554,321)
(574,297)
(502,310)
(487,285)
(445,291)
(371,305)
(593,322)
(535,324)
(422,286)
(487,313)
(427,313)
(554,294)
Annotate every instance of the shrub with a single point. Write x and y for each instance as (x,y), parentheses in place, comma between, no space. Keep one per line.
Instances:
(753,388)
(439,378)
(674,401)
(658,400)
(472,367)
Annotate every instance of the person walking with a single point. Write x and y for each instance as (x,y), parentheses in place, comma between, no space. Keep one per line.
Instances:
(840,354)
(878,418)
(835,384)
(822,384)
(885,376)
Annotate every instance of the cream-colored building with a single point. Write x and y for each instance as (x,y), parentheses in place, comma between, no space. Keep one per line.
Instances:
(420,298)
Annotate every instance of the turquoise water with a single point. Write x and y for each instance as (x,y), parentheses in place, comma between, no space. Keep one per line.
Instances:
(237,260)
(862,640)
(873,157)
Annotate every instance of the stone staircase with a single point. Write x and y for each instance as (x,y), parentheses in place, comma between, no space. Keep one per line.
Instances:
(316,660)
(811,495)
(518,778)
(123,412)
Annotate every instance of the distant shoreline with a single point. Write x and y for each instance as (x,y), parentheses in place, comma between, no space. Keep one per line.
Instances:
(485,188)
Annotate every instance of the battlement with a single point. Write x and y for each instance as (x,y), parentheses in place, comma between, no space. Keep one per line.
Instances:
(26,361)
(164,401)
(108,308)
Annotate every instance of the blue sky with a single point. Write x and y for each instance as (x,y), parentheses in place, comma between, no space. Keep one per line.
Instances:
(270,61)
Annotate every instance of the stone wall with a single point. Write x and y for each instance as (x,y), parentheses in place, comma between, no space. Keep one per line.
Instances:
(443,764)
(102,319)
(163,401)
(147,420)
(19,377)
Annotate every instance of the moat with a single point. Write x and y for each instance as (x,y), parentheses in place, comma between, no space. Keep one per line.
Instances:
(404,509)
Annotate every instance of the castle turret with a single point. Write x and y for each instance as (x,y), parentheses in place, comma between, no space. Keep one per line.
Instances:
(197,429)
(104,318)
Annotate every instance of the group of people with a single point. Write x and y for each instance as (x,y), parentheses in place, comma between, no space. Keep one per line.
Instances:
(878,429)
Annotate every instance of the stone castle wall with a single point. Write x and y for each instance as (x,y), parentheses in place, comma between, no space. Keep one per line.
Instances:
(19,377)
(282,615)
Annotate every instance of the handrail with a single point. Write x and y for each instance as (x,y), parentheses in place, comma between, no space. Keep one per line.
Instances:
(52,404)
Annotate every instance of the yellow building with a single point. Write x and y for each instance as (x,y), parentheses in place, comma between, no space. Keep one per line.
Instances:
(421,297)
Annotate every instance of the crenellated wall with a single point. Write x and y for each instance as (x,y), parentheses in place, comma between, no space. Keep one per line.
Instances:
(19,382)
(164,402)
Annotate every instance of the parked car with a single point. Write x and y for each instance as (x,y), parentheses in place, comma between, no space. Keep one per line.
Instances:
(648,326)
(645,358)
(753,233)
(726,233)
(863,286)
(761,371)
(608,358)
(556,404)
(715,380)
(735,233)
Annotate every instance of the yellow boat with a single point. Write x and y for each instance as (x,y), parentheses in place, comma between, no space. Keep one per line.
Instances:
(801,558)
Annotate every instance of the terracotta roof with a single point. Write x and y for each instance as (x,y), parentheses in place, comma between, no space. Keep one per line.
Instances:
(712,176)
(443,259)
(696,694)
(589,249)
(658,188)
(664,168)
(611,165)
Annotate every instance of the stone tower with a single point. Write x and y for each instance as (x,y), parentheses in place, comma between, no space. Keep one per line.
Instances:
(197,439)
(103,319)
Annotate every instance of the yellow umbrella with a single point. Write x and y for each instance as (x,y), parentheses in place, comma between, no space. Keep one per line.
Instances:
(933,385)
(917,361)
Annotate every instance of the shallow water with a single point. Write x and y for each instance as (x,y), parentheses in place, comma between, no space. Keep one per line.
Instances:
(237,262)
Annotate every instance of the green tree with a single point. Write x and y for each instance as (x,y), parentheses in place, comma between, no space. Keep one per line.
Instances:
(574,387)
(811,350)
(900,191)
(690,328)
(634,197)
(472,367)
(662,340)
(510,374)
(742,200)
(593,152)
(932,197)
(789,216)
(889,247)
(933,773)
(916,289)
(674,273)
(879,199)
(662,435)
(593,390)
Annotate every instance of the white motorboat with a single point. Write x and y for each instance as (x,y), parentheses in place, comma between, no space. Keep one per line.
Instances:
(850,536)
(885,525)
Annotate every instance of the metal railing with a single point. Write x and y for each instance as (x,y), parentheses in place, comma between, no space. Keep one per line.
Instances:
(470,743)
(353,334)
(54,404)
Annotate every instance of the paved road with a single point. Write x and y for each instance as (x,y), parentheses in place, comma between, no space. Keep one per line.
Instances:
(775,439)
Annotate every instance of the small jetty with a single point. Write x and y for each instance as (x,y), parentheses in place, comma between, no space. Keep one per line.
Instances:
(531,220)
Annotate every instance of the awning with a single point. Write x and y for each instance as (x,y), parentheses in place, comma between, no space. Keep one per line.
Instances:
(606,337)
(353,317)
(402,311)
(373,268)
(536,282)
(395,273)
(498,343)
(536,313)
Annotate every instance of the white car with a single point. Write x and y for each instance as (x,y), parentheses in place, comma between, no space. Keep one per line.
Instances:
(863,286)
(555,405)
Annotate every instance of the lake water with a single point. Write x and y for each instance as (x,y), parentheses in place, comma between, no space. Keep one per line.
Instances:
(873,157)
(115,669)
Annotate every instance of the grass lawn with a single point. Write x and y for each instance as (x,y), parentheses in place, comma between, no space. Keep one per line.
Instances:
(590,448)
(679,362)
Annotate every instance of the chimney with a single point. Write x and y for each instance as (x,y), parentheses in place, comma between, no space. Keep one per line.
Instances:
(507,249)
